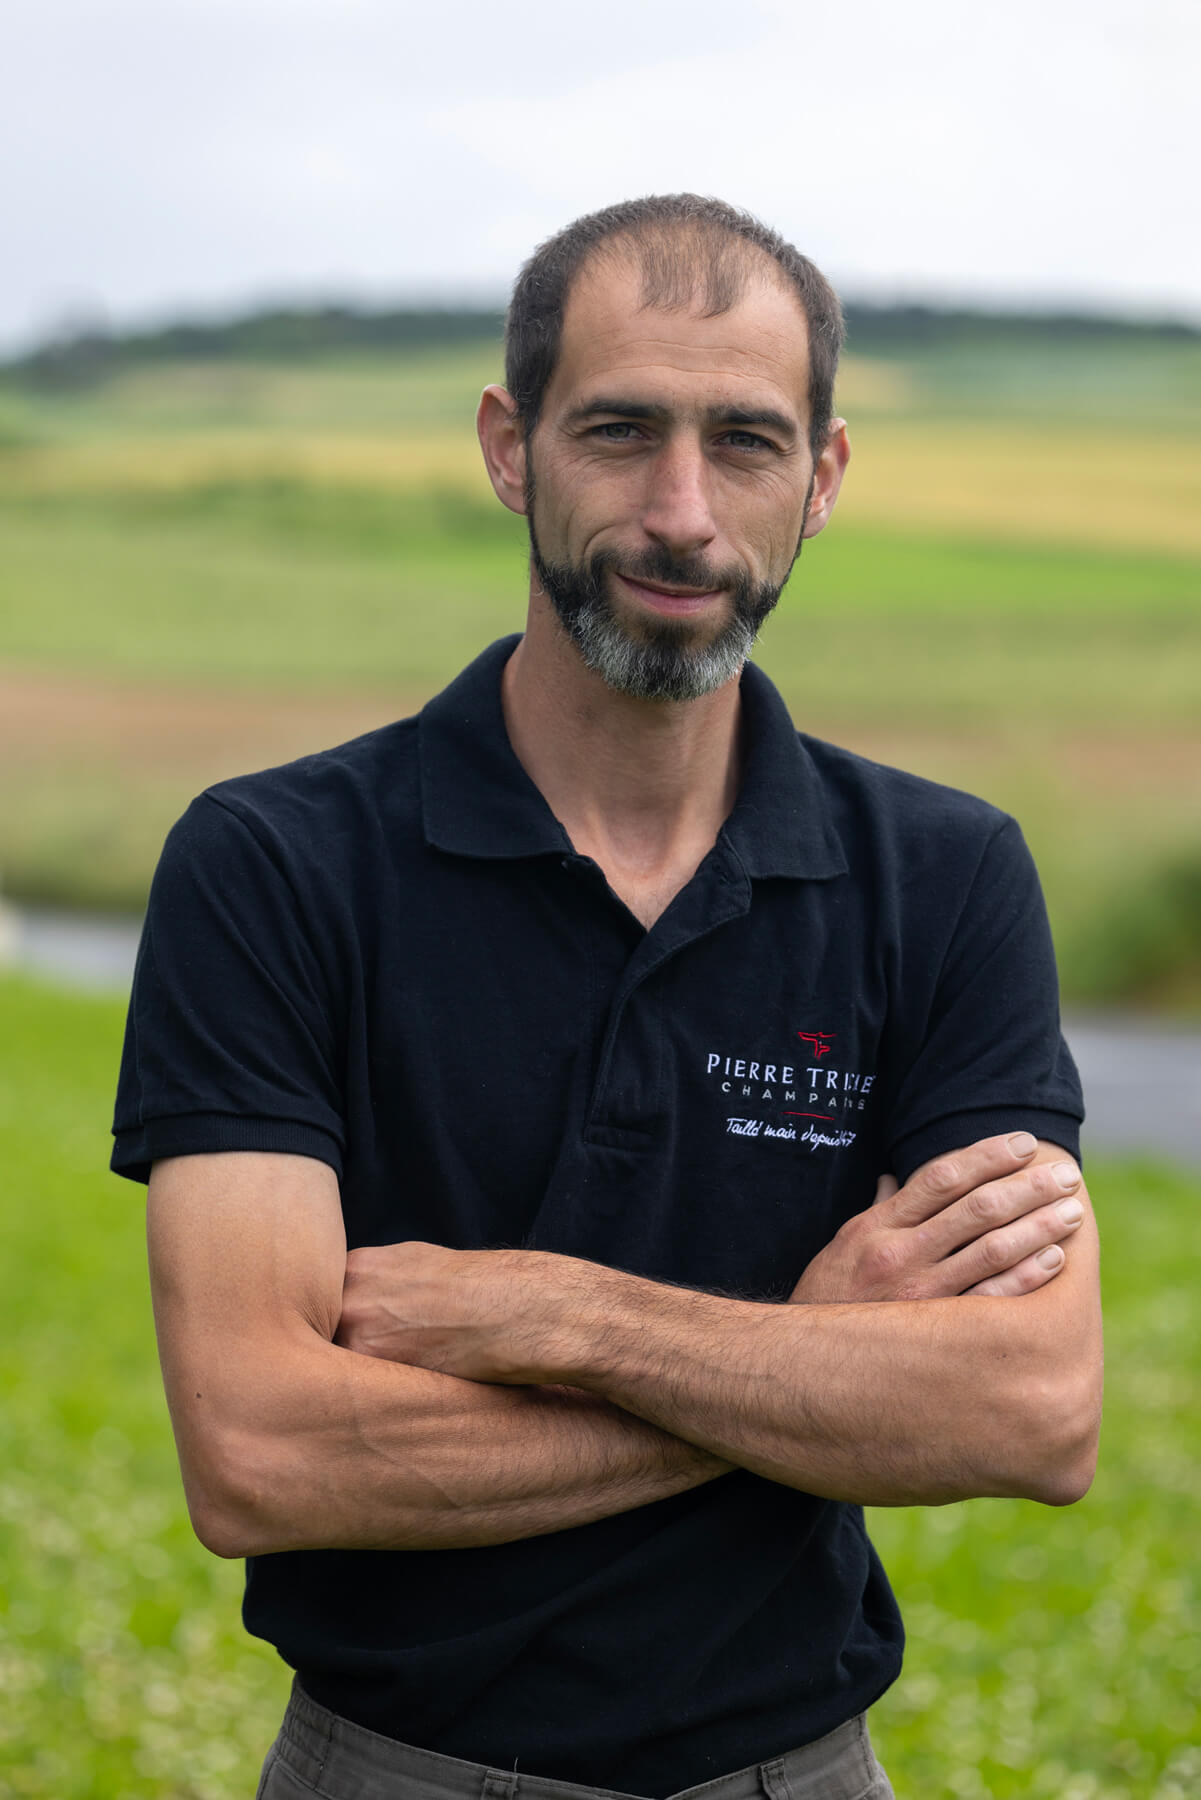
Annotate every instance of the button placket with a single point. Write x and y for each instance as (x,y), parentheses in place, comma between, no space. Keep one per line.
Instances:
(718,892)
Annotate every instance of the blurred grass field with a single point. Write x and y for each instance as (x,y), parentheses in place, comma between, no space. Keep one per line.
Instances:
(210,566)
(1053,1654)
(214,565)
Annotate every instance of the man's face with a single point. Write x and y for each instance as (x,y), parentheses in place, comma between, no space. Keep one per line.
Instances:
(668,479)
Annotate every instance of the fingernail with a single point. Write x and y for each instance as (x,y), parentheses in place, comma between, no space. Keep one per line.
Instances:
(1022,1144)
(1070,1211)
(1066,1174)
(1050,1258)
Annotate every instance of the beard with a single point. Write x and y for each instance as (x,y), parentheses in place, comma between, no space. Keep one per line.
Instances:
(655,659)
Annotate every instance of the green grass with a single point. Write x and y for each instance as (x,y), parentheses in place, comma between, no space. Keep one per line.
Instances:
(1056,1653)
(1052,1654)
(122,1664)
(289,587)
(287,604)
(1102,381)
(1010,596)
(367,391)
(1106,381)
(986,663)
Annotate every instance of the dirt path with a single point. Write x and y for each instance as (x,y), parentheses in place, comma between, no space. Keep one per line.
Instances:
(53,720)
(52,717)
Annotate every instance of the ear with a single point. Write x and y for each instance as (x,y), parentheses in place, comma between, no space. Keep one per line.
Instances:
(502,440)
(827,477)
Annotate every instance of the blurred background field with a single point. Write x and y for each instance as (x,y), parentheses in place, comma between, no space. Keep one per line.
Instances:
(1051,1654)
(243,537)
(220,551)
(221,548)
(224,544)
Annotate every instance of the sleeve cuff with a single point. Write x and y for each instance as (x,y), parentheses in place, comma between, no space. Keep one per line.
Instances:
(958,1129)
(198,1134)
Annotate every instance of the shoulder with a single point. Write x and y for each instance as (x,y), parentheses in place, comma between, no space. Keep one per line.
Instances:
(316,808)
(889,811)
(377,772)
(857,780)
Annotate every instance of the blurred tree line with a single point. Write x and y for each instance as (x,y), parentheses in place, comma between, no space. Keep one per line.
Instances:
(82,355)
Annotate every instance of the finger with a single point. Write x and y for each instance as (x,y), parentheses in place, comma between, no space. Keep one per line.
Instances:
(998,1203)
(886,1187)
(938,1184)
(1031,1273)
(999,1252)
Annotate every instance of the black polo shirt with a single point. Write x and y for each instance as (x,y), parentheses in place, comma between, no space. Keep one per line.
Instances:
(388,956)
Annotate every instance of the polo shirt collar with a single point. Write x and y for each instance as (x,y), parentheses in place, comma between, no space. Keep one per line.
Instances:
(781,823)
(477,800)
(476,797)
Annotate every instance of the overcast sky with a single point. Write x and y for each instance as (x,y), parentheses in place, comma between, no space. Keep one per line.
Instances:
(168,157)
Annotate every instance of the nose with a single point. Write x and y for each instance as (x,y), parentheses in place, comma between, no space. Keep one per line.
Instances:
(677,508)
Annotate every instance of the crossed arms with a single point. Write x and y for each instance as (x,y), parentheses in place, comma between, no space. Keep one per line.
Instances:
(414,1397)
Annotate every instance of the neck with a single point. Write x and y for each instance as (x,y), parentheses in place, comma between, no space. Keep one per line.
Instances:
(640,786)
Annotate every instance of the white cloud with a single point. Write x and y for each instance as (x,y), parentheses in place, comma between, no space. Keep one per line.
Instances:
(209,151)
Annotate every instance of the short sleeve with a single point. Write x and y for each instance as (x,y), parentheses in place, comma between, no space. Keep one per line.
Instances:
(231,1039)
(991,1056)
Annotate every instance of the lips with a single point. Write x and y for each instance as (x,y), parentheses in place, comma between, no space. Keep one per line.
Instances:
(669,597)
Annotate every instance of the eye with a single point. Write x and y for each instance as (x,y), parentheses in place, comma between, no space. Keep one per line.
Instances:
(745,440)
(615,431)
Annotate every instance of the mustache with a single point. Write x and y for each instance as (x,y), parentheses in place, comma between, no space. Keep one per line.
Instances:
(657,563)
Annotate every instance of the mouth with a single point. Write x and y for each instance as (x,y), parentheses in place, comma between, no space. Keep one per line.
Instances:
(668,597)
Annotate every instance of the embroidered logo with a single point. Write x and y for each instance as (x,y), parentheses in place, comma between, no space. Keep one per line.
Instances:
(816,1092)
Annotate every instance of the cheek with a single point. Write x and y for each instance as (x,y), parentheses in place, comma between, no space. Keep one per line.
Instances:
(562,531)
(579,508)
(770,534)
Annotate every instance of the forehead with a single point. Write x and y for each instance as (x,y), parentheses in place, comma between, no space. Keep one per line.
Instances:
(760,347)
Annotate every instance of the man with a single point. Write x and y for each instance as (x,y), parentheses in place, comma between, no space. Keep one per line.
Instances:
(586,1011)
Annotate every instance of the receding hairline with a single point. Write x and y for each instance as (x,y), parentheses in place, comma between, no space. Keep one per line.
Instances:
(691,256)
(689,267)
(752,274)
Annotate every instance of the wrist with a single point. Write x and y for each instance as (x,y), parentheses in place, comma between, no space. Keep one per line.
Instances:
(569,1316)
(612,1329)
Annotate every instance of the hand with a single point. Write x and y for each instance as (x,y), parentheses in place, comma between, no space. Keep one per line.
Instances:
(472,1313)
(988,1219)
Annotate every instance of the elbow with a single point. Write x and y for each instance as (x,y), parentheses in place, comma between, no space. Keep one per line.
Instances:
(1068,1474)
(216,1519)
(1072,1483)
(1061,1431)
(1066,1479)
(219,1529)
(233,1502)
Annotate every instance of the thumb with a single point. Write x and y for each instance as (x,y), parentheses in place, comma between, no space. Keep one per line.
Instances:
(886,1187)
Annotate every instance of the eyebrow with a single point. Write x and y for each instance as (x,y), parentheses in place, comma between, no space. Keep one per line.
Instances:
(740,416)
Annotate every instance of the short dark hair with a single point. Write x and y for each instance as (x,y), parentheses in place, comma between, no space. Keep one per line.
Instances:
(687,248)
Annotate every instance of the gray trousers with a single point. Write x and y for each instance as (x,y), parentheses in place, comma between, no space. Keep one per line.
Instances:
(317,1752)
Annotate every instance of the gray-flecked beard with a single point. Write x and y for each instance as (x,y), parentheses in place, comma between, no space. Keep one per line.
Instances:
(662,660)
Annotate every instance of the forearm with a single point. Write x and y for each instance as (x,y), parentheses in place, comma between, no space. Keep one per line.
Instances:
(288,1440)
(927,1354)
(883,1404)
(348,1452)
